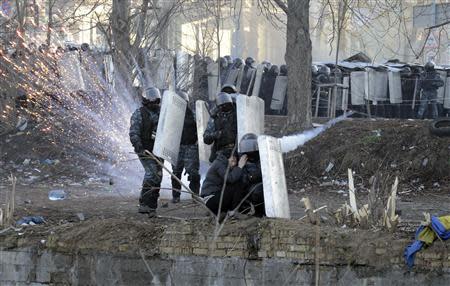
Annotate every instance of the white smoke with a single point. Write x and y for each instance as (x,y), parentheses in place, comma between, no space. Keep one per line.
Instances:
(292,142)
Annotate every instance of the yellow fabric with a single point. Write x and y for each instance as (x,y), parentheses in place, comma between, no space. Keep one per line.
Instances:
(427,235)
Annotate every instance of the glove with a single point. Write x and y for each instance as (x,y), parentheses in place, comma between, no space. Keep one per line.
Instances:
(138,149)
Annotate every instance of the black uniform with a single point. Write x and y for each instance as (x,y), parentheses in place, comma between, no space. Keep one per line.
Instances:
(188,156)
(221,131)
(143,122)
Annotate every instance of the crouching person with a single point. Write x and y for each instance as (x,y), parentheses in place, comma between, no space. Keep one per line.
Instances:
(243,188)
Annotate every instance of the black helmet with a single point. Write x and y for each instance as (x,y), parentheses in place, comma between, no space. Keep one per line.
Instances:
(249,61)
(429,66)
(85,47)
(274,70)
(151,94)
(248,143)
(223,62)
(223,98)
(237,63)
(229,60)
(228,88)
(324,70)
(183,95)
(283,70)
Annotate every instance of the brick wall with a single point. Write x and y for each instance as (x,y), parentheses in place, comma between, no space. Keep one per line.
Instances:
(245,253)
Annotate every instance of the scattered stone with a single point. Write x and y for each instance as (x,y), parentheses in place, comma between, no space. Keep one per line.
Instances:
(57,195)
(329,167)
(80,216)
(26,162)
(425,162)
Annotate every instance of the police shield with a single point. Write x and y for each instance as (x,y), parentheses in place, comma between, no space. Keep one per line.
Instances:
(170,127)
(184,72)
(447,93)
(376,84)
(250,115)
(441,90)
(357,87)
(279,93)
(201,118)
(274,181)
(395,87)
(70,70)
(109,69)
(213,77)
(258,79)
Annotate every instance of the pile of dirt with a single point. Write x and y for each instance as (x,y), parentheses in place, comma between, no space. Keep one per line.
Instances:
(403,148)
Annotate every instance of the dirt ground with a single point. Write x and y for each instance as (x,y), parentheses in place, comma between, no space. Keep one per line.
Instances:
(94,204)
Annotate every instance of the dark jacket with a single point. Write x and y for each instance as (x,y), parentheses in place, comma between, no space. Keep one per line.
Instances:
(430,82)
(143,123)
(251,174)
(214,180)
(221,130)
(189,136)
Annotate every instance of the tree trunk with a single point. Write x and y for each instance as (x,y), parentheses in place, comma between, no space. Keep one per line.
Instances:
(298,59)
(120,25)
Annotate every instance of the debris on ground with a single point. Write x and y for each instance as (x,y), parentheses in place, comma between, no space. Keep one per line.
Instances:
(431,229)
(30,220)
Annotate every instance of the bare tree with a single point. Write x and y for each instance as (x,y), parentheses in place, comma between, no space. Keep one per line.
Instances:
(298,58)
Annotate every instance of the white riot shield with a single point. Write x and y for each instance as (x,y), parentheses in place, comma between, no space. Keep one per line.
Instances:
(170,127)
(447,93)
(184,72)
(279,93)
(258,79)
(250,115)
(233,76)
(346,83)
(109,69)
(357,79)
(274,181)
(201,118)
(441,90)
(213,83)
(70,70)
(376,84)
(395,87)
(239,78)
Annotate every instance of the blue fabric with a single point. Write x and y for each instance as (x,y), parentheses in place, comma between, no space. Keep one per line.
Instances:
(28,219)
(417,245)
(439,228)
(412,249)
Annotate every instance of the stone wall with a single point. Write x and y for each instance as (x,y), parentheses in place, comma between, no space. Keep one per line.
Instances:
(265,252)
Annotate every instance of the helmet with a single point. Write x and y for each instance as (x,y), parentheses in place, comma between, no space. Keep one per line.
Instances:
(274,70)
(151,94)
(248,143)
(229,59)
(183,95)
(324,70)
(228,88)
(85,47)
(238,62)
(249,61)
(223,62)
(429,66)
(283,70)
(223,98)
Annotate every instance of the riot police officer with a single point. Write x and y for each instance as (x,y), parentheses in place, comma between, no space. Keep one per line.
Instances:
(222,126)
(144,123)
(429,82)
(188,155)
